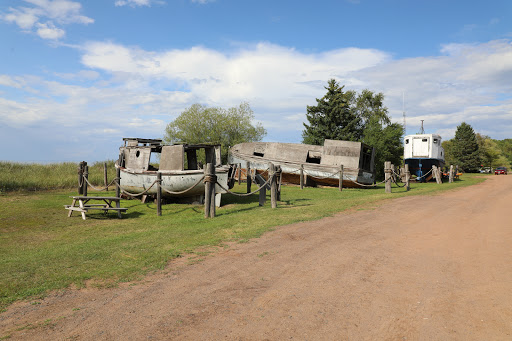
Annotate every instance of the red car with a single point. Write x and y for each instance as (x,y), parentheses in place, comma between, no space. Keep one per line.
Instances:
(500,170)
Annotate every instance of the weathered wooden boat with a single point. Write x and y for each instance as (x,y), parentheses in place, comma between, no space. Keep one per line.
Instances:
(421,152)
(141,159)
(321,164)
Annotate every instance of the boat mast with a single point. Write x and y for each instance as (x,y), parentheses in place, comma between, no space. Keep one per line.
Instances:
(403,111)
(422,131)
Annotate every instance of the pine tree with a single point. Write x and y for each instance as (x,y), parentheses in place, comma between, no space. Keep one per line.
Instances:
(332,117)
(465,148)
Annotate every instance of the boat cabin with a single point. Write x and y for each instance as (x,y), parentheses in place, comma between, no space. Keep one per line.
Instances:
(423,146)
(143,155)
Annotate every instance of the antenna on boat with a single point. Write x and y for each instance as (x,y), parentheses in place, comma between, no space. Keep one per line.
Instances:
(422,131)
(403,111)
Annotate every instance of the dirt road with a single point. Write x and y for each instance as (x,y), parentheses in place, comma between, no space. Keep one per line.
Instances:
(418,268)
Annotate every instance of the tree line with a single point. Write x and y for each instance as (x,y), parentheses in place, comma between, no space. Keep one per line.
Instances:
(339,115)
(473,151)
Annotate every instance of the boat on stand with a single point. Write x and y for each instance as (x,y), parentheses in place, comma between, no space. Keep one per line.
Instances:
(321,164)
(141,159)
(421,152)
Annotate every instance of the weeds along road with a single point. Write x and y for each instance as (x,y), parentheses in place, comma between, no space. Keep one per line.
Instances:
(416,268)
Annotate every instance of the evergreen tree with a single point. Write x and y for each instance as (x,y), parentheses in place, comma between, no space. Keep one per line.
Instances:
(332,117)
(465,148)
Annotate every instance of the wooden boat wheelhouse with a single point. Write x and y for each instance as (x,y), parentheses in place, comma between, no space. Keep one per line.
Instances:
(141,159)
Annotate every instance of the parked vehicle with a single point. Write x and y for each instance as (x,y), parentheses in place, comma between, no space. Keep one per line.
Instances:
(500,170)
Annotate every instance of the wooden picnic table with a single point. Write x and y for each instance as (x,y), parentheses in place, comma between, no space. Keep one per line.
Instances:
(83,206)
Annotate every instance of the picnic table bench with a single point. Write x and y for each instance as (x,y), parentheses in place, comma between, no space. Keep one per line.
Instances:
(83,206)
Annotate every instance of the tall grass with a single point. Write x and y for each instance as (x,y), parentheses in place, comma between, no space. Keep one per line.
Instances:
(34,177)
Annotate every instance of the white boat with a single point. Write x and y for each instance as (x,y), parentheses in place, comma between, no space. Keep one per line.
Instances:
(140,160)
(321,164)
(421,152)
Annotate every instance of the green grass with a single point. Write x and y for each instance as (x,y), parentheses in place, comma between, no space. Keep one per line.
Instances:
(42,249)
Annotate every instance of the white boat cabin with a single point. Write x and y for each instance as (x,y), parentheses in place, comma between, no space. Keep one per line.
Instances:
(423,146)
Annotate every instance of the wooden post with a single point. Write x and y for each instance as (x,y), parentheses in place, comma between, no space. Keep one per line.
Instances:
(207,192)
(280,174)
(118,182)
(301,175)
(340,185)
(393,173)
(80,178)
(249,178)
(239,173)
(451,174)
(407,177)
(387,176)
(105,176)
(212,191)
(436,173)
(159,194)
(273,185)
(86,177)
(263,192)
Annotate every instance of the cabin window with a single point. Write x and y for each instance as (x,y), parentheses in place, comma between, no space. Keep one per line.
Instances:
(313,157)
(435,140)
(137,154)
(424,140)
(406,141)
(258,154)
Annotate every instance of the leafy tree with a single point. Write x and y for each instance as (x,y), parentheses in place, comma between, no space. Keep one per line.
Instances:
(332,117)
(506,148)
(387,141)
(465,148)
(368,105)
(448,153)
(201,124)
(490,152)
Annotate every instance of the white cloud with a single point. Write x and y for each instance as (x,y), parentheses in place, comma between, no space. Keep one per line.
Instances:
(137,3)
(49,31)
(62,12)
(135,92)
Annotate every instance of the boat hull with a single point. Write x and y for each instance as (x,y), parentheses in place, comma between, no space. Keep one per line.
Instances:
(322,175)
(421,166)
(175,181)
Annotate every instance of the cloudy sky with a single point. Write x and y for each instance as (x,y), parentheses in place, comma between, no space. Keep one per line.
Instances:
(78,76)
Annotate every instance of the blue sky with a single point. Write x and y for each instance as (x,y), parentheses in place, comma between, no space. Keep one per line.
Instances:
(78,76)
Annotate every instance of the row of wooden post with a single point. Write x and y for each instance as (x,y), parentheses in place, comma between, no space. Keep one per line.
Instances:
(389,174)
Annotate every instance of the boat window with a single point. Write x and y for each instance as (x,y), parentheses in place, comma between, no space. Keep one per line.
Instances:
(137,154)
(406,141)
(424,140)
(435,141)
(258,154)
(314,157)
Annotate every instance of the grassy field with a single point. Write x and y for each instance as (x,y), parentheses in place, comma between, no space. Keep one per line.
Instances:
(42,249)
(33,177)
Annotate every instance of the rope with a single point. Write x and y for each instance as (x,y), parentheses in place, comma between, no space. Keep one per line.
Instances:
(378,183)
(424,175)
(322,177)
(97,188)
(244,194)
(188,189)
(136,194)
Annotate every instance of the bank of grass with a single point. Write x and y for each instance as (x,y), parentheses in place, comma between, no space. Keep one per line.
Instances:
(16,176)
(42,249)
